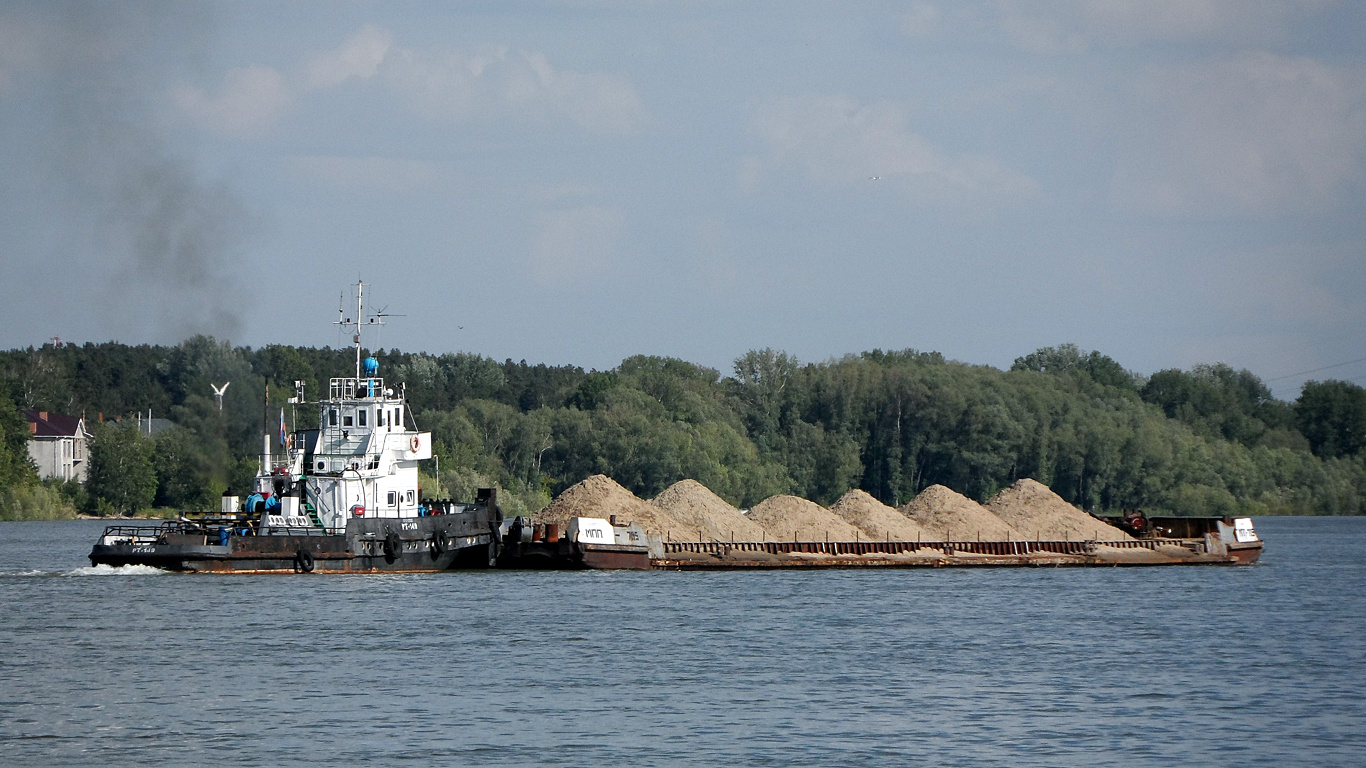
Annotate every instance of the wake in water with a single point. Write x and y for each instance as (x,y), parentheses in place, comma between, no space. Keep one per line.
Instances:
(109,570)
(89,570)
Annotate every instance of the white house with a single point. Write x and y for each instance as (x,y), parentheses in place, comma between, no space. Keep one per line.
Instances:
(58,444)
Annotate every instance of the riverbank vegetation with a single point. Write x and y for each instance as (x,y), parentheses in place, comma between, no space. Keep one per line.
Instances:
(22,495)
(1206,441)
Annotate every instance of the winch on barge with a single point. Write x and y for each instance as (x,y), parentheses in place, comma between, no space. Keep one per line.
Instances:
(340,498)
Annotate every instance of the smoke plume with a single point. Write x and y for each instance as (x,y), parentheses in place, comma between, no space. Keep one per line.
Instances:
(150,243)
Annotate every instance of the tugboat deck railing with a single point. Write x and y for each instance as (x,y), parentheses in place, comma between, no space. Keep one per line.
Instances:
(355,389)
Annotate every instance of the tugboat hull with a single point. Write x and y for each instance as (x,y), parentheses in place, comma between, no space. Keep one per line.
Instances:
(411,545)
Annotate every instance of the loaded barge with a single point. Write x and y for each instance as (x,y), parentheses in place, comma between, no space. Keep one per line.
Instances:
(344,498)
(1151,541)
(1219,541)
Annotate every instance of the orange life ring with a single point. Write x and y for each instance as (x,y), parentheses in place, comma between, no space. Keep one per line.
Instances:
(415,443)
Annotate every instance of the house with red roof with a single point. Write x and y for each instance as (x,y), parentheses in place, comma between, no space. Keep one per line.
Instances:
(59,445)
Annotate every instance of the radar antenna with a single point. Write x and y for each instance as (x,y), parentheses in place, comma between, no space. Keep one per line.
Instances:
(355,323)
(218,392)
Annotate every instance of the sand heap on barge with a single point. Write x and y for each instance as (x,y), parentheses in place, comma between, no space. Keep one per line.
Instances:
(1024,525)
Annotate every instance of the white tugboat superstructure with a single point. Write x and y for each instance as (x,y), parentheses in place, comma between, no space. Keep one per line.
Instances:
(362,461)
(341,497)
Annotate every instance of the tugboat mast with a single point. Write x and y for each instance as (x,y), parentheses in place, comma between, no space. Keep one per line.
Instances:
(355,323)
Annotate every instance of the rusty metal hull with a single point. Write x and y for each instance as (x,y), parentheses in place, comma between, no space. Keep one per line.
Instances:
(949,554)
(567,555)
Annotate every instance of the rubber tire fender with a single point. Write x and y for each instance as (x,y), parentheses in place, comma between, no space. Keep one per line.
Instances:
(303,561)
(393,547)
(440,543)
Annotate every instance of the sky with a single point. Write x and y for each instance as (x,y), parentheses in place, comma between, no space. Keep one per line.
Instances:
(1170,182)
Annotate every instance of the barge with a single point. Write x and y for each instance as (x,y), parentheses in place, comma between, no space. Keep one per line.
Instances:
(344,498)
(1151,541)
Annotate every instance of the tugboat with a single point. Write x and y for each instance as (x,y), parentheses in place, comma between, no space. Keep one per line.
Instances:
(340,498)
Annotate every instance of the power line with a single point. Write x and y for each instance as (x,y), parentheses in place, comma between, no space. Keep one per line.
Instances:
(1315,370)
(1354,380)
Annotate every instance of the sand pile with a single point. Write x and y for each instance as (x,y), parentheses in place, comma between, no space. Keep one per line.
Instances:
(947,515)
(701,513)
(877,520)
(789,518)
(1037,512)
(601,496)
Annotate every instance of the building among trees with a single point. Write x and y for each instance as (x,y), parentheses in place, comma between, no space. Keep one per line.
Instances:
(58,445)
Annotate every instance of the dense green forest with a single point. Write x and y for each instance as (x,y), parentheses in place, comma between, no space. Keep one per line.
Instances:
(1206,441)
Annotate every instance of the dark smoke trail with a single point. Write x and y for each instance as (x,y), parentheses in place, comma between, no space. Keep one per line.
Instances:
(153,245)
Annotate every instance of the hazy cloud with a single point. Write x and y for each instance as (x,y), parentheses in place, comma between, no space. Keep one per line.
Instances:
(495,82)
(837,141)
(1071,26)
(443,84)
(359,57)
(920,19)
(366,174)
(1252,133)
(575,243)
(27,45)
(18,49)
(563,191)
(249,101)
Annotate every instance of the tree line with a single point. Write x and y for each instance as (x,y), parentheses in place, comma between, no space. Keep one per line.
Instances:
(1206,441)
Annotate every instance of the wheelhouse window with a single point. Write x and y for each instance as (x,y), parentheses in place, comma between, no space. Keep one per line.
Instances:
(360,416)
(398,416)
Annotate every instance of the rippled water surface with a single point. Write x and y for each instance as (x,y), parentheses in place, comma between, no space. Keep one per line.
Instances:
(1260,665)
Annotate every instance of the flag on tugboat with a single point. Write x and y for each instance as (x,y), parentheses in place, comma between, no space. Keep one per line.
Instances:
(282,426)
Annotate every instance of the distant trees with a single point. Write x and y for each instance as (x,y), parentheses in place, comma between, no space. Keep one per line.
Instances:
(1209,440)
(184,477)
(122,475)
(22,496)
(1069,359)
(1332,416)
(1217,401)
(16,468)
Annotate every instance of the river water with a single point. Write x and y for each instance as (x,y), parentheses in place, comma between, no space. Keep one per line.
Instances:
(1260,665)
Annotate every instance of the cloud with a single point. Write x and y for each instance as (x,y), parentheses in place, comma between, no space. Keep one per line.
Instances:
(249,101)
(837,141)
(559,192)
(1256,133)
(920,19)
(19,49)
(488,82)
(494,82)
(575,243)
(28,46)
(366,174)
(1071,26)
(358,57)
